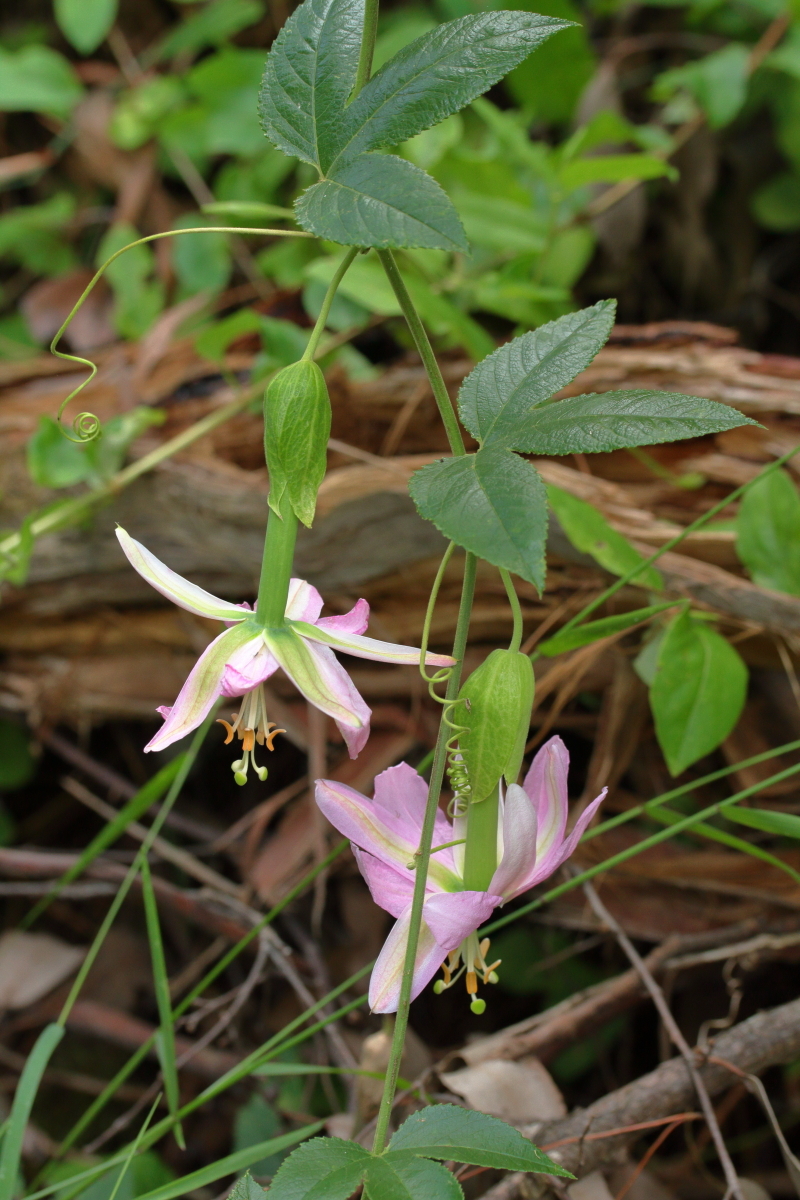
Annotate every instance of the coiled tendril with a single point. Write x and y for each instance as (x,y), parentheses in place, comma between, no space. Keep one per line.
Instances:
(456,767)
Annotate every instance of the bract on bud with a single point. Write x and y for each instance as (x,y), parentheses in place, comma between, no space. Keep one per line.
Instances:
(297,425)
(495,716)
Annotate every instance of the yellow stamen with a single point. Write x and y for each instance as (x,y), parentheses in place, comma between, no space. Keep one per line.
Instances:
(229,728)
(272,732)
(472,983)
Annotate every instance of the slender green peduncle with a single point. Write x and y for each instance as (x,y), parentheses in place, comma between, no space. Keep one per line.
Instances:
(316,333)
(425,350)
(276,566)
(423,858)
(513,600)
(480,852)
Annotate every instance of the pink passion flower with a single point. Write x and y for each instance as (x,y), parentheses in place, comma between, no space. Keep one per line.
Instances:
(385,832)
(246,654)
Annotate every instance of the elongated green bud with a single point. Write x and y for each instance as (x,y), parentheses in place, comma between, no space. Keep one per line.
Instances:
(496,717)
(297,425)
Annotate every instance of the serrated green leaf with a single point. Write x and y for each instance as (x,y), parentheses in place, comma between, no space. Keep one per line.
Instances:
(325,1168)
(598,422)
(211,25)
(504,388)
(698,691)
(492,503)
(246,1188)
(435,76)
(84,23)
(765,819)
(383,201)
(309,75)
(405,1176)
(593,631)
(457,1134)
(590,532)
(768,532)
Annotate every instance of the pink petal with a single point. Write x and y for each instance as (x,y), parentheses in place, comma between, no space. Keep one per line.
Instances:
(304,602)
(394,840)
(546,784)
(581,825)
(384,984)
(247,668)
(355,621)
(202,687)
(389,889)
(519,843)
(371,648)
(452,916)
(324,682)
(172,585)
(402,795)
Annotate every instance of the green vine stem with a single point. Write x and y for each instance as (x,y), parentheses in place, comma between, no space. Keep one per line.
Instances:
(425,350)
(368,37)
(276,565)
(86,425)
(423,857)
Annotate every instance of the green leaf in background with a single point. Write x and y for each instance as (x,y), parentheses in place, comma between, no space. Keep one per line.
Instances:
(309,75)
(255,1122)
(434,77)
(612,168)
(323,1168)
(605,421)
(776,204)
(141,110)
(138,298)
(383,201)
(492,503)
(84,23)
(593,631)
(549,86)
(53,460)
(209,26)
(717,82)
(459,1135)
(768,532)
(367,285)
(202,261)
(146,1171)
(698,692)
(590,532)
(17,764)
(33,235)
(765,819)
(37,79)
(405,1176)
(499,394)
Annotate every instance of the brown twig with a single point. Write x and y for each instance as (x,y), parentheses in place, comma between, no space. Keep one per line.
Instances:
(657,996)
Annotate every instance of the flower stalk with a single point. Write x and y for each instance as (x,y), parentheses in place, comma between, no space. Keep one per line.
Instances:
(276,565)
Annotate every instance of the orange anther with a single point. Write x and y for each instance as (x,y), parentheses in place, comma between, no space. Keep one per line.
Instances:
(273,733)
(248,739)
(229,729)
(472,983)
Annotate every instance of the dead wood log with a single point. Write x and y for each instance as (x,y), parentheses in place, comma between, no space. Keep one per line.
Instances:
(764,1040)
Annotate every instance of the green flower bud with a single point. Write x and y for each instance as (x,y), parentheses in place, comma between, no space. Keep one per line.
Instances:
(297,425)
(496,713)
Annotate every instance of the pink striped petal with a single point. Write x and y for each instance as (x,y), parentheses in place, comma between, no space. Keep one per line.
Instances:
(546,784)
(392,839)
(246,668)
(384,984)
(202,687)
(355,621)
(402,796)
(519,844)
(581,825)
(304,602)
(172,585)
(364,647)
(389,889)
(324,682)
(453,916)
